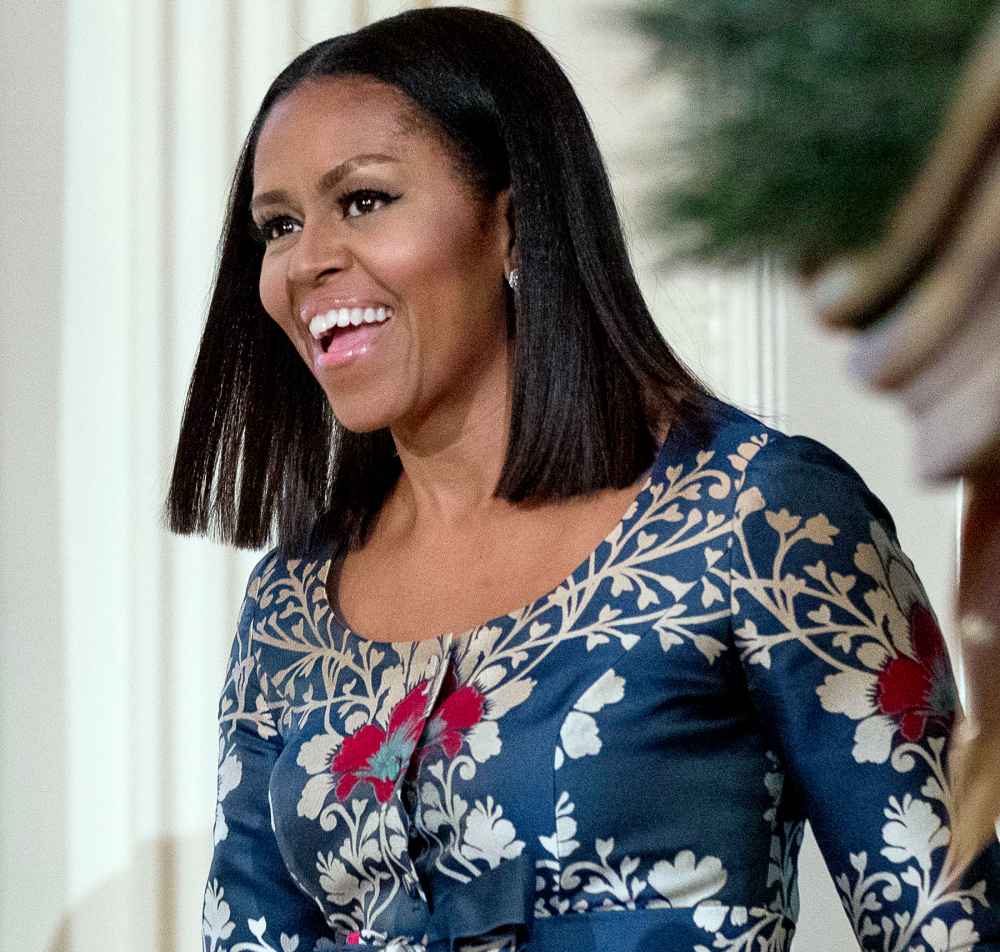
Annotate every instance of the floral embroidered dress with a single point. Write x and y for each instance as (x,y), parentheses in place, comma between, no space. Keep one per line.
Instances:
(626,763)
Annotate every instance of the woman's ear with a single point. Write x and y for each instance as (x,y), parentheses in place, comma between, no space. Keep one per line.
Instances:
(508,231)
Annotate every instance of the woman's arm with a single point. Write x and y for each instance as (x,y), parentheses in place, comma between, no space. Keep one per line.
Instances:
(846,664)
(251,902)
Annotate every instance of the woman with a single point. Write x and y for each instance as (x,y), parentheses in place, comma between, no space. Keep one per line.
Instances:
(555,652)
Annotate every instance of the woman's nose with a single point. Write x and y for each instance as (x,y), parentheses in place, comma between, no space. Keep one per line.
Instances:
(320,250)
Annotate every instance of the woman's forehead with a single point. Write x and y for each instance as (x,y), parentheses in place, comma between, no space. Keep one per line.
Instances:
(339,114)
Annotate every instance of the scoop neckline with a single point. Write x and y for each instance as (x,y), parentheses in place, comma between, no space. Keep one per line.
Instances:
(323,605)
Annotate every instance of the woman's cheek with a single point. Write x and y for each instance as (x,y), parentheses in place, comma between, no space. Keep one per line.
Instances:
(271,299)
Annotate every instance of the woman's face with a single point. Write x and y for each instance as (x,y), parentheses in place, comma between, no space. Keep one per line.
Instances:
(367,222)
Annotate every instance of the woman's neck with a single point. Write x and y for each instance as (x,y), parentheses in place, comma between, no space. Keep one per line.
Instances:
(451,465)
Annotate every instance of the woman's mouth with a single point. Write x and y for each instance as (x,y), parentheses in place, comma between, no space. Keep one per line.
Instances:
(346,333)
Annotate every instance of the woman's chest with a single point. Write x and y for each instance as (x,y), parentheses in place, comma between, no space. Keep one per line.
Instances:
(412,769)
(399,587)
(604,725)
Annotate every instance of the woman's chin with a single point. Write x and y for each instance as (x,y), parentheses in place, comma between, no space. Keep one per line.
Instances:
(360,415)
(361,423)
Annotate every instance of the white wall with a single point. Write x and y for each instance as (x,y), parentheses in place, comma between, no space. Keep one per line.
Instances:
(122,124)
(33,623)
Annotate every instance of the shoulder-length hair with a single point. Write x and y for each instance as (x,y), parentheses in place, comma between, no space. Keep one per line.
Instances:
(262,459)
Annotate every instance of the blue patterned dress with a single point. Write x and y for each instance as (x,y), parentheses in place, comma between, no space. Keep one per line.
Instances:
(626,763)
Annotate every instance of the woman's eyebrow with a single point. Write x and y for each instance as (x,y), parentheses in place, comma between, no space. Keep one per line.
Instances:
(328,180)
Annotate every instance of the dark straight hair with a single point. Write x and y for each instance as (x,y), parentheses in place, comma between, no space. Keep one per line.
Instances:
(261,458)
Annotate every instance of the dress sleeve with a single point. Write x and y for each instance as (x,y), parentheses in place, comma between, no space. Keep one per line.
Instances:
(847,667)
(251,901)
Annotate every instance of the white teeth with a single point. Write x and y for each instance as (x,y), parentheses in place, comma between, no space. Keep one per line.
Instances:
(347,317)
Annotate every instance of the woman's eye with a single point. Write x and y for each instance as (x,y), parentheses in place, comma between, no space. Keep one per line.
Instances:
(363,202)
(275,228)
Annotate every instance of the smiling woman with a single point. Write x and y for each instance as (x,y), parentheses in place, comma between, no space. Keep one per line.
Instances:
(374,217)
(555,652)
(396,162)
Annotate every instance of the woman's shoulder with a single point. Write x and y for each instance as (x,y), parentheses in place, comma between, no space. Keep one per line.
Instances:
(719,428)
(784,469)
(277,567)
(266,566)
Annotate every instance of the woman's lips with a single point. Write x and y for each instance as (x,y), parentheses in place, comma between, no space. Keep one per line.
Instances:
(344,345)
(343,329)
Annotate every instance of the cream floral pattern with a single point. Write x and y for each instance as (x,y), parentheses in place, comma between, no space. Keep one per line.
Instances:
(579,735)
(229,777)
(637,749)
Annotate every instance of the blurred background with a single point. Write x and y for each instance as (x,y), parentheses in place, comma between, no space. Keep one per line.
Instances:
(123,122)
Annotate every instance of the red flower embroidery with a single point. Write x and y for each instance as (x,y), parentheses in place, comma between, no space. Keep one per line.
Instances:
(380,756)
(916,691)
(460,711)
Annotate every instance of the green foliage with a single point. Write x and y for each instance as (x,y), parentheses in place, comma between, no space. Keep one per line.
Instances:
(805,120)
